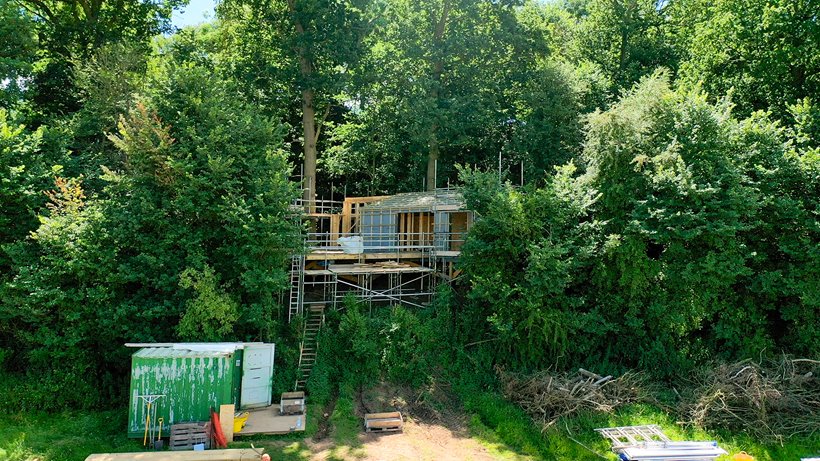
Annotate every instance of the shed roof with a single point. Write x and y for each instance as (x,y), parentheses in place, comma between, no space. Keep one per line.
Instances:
(440,198)
(178,350)
(169,353)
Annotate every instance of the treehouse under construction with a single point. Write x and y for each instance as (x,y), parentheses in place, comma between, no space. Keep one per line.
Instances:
(382,250)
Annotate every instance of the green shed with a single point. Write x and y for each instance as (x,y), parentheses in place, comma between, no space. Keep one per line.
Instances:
(184,381)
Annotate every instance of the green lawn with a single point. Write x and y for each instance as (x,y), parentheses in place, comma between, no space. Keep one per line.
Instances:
(502,428)
(496,420)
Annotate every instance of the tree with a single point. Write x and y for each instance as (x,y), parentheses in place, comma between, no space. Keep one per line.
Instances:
(770,57)
(439,84)
(306,45)
(17,52)
(626,38)
(71,31)
(208,195)
(689,235)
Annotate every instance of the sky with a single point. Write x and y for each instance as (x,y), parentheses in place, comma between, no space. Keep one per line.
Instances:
(196,12)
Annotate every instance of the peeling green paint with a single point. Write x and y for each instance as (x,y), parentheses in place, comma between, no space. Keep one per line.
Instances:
(192,383)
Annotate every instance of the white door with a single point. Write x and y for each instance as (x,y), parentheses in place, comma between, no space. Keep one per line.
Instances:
(257,376)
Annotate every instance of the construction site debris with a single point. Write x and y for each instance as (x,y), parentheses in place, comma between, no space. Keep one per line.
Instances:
(649,443)
(547,396)
(773,400)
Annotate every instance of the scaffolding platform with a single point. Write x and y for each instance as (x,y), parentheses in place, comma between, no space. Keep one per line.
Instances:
(381,249)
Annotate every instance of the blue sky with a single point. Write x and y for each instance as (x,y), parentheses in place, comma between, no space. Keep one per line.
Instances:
(196,12)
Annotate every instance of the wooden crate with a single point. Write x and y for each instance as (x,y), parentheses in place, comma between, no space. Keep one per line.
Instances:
(383,422)
(185,435)
(292,403)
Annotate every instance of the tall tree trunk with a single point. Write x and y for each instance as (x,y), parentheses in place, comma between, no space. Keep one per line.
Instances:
(310,132)
(309,148)
(626,11)
(432,159)
(438,69)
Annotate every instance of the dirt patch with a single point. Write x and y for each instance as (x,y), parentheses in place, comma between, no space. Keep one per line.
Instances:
(324,422)
(428,406)
(418,441)
(422,441)
(433,430)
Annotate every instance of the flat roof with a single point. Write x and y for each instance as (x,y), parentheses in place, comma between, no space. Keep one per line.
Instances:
(169,353)
(175,350)
(451,199)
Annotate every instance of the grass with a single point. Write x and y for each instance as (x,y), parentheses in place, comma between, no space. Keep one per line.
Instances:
(502,428)
(63,436)
(495,420)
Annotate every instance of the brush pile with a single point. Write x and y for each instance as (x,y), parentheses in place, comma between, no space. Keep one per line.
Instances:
(772,401)
(548,396)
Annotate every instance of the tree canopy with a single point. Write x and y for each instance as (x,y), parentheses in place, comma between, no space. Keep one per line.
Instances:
(645,174)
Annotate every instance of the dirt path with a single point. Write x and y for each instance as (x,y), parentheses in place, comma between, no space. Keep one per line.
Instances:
(418,441)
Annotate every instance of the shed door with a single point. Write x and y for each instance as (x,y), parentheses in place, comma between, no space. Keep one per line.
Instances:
(257,376)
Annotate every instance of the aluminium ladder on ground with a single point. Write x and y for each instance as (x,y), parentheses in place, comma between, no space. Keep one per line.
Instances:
(649,443)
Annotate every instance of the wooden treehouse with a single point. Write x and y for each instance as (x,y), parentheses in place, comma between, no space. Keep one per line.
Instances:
(385,249)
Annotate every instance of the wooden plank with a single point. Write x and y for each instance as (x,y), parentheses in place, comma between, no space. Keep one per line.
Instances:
(319,255)
(390,414)
(346,217)
(372,198)
(383,422)
(335,227)
(243,454)
(226,413)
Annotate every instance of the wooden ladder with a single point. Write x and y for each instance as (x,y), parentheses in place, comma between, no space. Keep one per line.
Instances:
(310,345)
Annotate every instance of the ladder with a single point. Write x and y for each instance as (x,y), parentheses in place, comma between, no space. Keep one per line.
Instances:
(310,344)
(297,281)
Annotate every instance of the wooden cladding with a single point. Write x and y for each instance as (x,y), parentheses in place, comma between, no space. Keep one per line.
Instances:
(459,225)
(416,229)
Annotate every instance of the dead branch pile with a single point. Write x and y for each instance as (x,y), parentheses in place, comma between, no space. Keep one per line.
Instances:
(772,401)
(548,396)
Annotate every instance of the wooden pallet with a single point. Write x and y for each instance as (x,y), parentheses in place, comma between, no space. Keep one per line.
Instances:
(185,435)
(292,403)
(383,422)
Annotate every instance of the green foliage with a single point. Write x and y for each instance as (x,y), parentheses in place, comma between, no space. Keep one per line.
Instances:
(211,315)
(495,418)
(357,344)
(680,239)
(209,191)
(527,258)
(17,52)
(22,177)
(626,38)
(772,61)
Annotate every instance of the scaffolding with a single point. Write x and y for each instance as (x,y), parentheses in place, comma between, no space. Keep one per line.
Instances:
(380,250)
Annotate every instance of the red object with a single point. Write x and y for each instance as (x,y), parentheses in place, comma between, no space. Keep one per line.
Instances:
(219,437)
